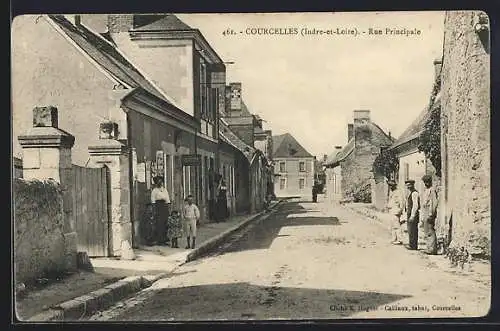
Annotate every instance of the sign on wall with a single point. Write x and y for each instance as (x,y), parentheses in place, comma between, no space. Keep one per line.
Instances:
(191,160)
(160,166)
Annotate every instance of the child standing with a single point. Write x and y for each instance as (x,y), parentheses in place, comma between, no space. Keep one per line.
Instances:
(190,216)
(174,228)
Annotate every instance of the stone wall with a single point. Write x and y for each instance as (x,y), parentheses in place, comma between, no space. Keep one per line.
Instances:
(39,247)
(466,131)
(244,132)
(357,167)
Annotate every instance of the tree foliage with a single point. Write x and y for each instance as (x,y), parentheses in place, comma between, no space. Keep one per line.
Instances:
(386,163)
(430,139)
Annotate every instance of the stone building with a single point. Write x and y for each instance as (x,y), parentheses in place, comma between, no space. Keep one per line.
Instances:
(465,130)
(253,141)
(333,190)
(96,80)
(294,167)
(413,164)
(355,159)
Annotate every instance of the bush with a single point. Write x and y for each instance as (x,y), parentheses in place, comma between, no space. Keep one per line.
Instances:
(361,193)
(430,139)
(386,163)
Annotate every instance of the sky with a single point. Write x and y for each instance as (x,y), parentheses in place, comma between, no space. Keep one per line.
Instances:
(309,85)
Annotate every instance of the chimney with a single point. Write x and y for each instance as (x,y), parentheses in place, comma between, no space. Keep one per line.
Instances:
(74,19)
(338,148)
(235,96)
(438,64)
(361,116)
(120,22)
(350,131)
(325,157)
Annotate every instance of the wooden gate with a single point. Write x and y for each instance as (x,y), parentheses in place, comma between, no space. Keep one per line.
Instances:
(91,210)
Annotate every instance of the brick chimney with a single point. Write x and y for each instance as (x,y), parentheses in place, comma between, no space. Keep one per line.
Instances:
(74,19)
(362,130)
(438,64)
(361,117)
(120,22)
(350,131)
(235,97)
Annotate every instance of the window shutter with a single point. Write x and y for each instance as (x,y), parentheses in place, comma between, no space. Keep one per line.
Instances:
(214,102)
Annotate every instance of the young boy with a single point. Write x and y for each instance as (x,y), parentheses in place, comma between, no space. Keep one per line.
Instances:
(190,216)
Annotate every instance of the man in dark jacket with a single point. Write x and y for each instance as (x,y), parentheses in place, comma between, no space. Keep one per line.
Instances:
(412,207)
(429,214)
(315,192)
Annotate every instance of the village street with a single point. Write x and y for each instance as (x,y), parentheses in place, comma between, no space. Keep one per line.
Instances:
(309,261)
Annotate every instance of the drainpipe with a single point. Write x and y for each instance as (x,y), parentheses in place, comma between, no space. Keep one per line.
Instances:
(131,180)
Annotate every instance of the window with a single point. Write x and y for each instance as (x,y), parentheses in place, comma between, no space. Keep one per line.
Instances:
(282,183)
(406,169)
(302,166)
(203,89)
(302,183)
(206,177)
(282,167)
(187,181)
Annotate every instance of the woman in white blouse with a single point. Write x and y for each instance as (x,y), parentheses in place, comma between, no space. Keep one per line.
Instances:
(161,202)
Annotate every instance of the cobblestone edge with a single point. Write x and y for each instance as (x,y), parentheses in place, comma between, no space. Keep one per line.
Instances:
(205,247)
(101,299)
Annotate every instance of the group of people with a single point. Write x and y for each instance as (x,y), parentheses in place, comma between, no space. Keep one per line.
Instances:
(414,208)
(165,226)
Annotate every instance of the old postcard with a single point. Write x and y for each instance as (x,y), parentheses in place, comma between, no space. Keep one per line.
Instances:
(290,166)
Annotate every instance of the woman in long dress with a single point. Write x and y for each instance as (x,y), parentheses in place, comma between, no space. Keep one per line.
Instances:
(222,201)
(161,201)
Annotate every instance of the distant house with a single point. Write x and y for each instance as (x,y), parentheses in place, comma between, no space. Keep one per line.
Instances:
(332,178)
(412,163)
(352,165)
(293,167)
(253,140)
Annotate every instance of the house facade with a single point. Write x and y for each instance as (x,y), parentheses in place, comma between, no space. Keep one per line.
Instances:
(293,166)
(333,190)
(95,70)
(412,163)
(355,159)
(254,142)
(465,131)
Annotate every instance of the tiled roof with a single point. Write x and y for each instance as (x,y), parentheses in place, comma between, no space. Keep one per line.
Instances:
(286,145)
(106,55)
(232,139)
(244,109)
(331,157)
(415,129)
(167,22)
(341,155)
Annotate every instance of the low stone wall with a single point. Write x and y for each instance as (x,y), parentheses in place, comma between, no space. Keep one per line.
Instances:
(39,244)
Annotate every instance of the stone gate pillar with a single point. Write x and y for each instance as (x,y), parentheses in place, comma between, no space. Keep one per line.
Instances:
(47,155)
(114,154)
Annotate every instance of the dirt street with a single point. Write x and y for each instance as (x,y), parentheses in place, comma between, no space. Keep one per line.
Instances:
(310,261)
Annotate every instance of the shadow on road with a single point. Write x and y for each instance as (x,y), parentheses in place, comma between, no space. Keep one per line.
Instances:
(263,234)
(244,300)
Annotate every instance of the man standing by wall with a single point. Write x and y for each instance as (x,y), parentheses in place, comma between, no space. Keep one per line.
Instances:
(429,214)
(395,207)
(412,206)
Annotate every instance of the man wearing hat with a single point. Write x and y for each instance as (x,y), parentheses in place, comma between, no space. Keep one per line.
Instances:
(395,206)
(412,206)
(429,215)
